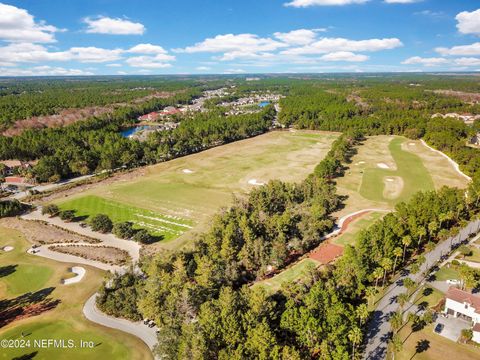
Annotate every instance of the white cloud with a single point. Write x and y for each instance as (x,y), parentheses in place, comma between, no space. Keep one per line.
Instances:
(43,71)
(18,25)
(117,26)
(462,50)
(469,22)
(203,68)
(298,37)
(401,1)
(307,3)
(468,61)
(121,73)
(344,56)
(234,71)
(147,49)
(114,65)
(327,45)
(432,61)
(229,42)
(150,62)
(93,54)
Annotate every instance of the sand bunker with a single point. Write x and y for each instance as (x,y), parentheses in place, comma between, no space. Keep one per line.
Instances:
(383,166)
(360,163)
(412,144)
(393,186)
(187,171)
(255,182)
(7,248)
(79,272)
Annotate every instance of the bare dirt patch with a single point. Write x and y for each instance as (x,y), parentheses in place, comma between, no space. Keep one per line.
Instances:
(40,233)
(393,186)
(471,98)
(105,254)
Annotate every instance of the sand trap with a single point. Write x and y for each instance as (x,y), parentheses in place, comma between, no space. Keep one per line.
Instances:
(79,271)
(393,187)
(412,144)
(383,166)
(7,248)
(255,182)
(360,163)
(187,171)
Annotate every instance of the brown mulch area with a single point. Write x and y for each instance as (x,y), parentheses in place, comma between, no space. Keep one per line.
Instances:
(326,253)
(350,219)
(42,233)
(104,254)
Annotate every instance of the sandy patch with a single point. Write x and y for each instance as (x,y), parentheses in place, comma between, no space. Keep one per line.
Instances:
(412,144)
(360,163)
(187,171)
(383,166)
(393,186)
(7,248)
(79,274)
(255,182)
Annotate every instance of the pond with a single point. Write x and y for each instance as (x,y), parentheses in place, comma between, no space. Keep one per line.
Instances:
(264,103)
(133,130)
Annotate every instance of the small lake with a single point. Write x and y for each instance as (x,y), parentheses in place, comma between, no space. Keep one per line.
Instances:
(264,103)
(133,130)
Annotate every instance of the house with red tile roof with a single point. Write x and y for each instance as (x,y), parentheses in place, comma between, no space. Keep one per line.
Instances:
(464,305)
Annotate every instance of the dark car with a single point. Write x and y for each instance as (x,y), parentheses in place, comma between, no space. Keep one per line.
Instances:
(438,329)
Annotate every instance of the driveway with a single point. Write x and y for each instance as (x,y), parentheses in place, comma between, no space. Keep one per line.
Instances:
(452,327)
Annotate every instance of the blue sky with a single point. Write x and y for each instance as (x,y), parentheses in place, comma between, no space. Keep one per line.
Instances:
(58,37)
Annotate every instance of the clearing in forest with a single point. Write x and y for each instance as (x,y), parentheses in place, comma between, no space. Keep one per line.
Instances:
(173,197)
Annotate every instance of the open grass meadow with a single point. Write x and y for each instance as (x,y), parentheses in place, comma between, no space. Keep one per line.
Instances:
(349,236)
(171,197)
(294,272)
(29,280)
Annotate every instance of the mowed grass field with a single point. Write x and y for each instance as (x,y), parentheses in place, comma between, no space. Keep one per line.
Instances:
(22,273)
(171,197)
(294,272)
(390,169)
(349,236)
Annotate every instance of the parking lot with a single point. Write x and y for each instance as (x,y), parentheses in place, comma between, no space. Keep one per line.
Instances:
(452,327)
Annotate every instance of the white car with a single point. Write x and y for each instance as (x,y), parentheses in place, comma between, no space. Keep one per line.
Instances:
(453,282)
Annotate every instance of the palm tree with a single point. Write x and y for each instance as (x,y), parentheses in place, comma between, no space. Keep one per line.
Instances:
(432,227)
(397,252)
(362,313)
(355,336)
(402,299)
(406,241)
(396,321)
(409,284)
(397,343)
(421,232)
(370,292)
(377,274)
(387,266)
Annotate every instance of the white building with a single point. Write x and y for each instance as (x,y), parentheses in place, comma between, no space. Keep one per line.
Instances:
(464,305)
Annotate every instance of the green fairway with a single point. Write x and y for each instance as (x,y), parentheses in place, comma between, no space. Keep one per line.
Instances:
(106,347)
(171,197)
(167,226)
(27,278)
(292,273)
(411,173)
(350,235)
(23,273)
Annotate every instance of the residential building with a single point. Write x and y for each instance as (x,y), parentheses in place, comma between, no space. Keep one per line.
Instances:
(464,305)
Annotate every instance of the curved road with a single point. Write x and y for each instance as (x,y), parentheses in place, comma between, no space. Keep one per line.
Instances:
(138,329)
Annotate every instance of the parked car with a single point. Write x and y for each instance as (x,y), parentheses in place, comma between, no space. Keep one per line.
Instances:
(453,282)
(438,328)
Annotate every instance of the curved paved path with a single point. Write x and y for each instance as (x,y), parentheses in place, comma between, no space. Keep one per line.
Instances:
(138,329)
(130,246)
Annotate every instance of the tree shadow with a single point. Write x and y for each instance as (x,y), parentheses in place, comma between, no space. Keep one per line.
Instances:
(80,218)
(26,356)
(7,270)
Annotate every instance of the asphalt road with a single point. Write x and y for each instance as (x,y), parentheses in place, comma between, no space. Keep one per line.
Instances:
(379,330)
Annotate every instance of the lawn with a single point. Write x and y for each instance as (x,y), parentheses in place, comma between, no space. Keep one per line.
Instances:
(292,273)
(447,273)
(429,295)
(65,321)
(189,190)
(438,346)
(409,167)
(349,236)
(475,257)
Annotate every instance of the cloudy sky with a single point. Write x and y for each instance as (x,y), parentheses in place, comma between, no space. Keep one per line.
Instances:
(84,37)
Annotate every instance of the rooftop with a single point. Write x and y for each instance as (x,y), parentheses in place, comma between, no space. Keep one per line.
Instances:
(462,296)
